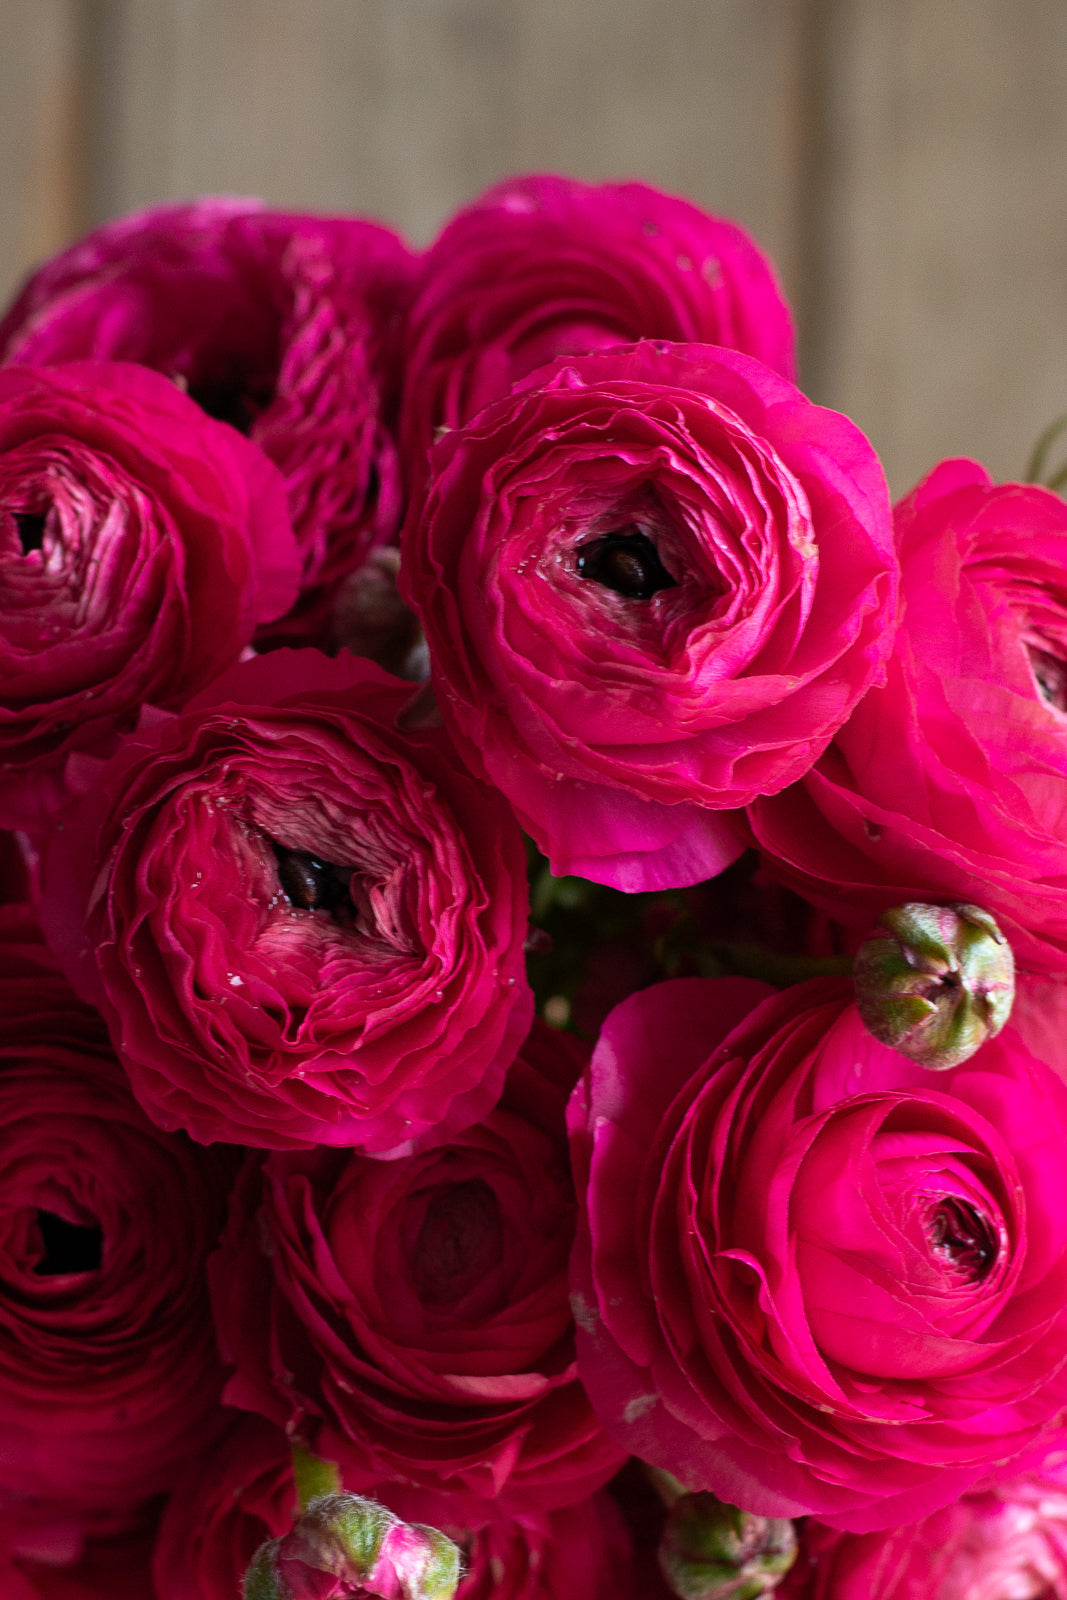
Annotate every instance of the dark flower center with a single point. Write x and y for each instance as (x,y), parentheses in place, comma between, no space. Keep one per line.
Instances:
(1051,676)
(30,527)
(67,1247)
(959,1231)
(231,400)
(312,884)
(459,1242)
(625,561)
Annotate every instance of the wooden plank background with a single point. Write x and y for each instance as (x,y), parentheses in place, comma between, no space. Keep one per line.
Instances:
(903,160)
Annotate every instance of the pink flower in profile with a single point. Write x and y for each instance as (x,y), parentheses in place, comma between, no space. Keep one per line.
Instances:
(141,543)
(546,266)
(654,582)
(303,924)
(811,1276)
(950,781)
(284,325)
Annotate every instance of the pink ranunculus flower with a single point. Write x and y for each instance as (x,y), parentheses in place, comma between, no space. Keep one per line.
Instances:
(654,583)
(285,325)
(246,1494)
(140,545)
(810,1276)
(545,266)
(1008,1542)
(110,1380)
(950,782)
(303,924)
(413,1314)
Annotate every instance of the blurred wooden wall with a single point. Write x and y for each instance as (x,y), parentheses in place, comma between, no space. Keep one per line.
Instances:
(905,161)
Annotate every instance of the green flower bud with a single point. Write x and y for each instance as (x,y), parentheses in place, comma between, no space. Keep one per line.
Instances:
(345,1546)
(935,982)
(713,1551)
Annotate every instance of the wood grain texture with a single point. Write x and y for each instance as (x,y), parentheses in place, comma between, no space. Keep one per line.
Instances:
(902,159)
(43,183)
(405,108)
(942,326)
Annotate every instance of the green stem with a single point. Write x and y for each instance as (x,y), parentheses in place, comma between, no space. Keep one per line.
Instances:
(1036,464)
(313,1476)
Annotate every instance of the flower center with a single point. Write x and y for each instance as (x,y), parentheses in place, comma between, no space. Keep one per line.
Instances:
(30,528)
(233,400)
(67,1247)
(960,1233)
(1050,674)
(625,561)
(459,1242)
(312,884)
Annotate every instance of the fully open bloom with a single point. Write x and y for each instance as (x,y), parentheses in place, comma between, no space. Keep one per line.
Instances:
(140,545)
(303,925)
(544,266)
(109,1375)
(284,325)
(413,1314)
(654,583)
(810,1275)
(950,782)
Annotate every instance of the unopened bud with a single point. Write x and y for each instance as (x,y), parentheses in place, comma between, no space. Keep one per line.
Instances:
(344,1546)
(935,982)
(713,1551)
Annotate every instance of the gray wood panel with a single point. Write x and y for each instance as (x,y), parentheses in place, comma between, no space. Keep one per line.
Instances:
(42,168)
(902,159)
(404,108)
(942,321)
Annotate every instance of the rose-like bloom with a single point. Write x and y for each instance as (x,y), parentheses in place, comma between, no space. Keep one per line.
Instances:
(413,1314)
(950,782)
(218,1518)
(140,544)
(654,583)
(109,1374)
(303,925)
(284,325)
(545,266)
(1006,1543)
(811,1275)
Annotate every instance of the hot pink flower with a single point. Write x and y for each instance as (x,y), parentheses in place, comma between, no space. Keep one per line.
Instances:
(303,925)
(950,783)
(285,325)
(810,1276)
(413,1314)
(109,1375)
(545,266)
(1009,1541)
(654,583)
(140,544)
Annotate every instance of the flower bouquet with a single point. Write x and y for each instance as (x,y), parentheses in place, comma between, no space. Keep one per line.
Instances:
(533,909)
